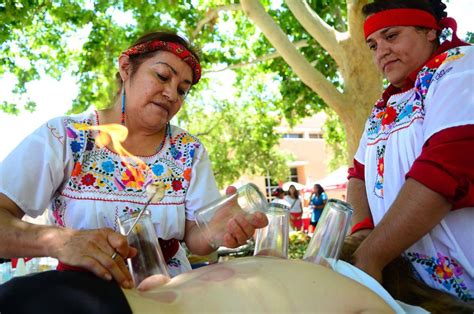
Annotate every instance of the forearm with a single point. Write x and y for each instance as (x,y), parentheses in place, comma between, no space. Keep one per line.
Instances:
(23,239)
(357,197)
(415,212)
(195,240)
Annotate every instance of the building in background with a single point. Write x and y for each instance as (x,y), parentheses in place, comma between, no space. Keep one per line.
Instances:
(305,141)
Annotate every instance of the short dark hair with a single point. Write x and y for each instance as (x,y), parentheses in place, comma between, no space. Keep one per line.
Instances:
(434,7)
(320,188)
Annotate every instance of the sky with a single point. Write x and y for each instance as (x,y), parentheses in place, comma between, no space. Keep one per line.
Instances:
(54,98)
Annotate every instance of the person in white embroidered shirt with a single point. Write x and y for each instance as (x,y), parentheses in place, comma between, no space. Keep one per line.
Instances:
(87,187)
(413,177)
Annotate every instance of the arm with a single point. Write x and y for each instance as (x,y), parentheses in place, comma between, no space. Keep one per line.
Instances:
(238,229)
(19,238)
(89,249)
(357,197)
(416,210)
(38,176)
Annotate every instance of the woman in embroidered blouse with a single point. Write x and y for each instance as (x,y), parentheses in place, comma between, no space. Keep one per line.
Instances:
(413,175)
(87,187)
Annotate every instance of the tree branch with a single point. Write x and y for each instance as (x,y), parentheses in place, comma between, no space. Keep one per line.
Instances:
(206,132)
(309,75)
(322,32)
(273,55)
(211,15)
(354,18)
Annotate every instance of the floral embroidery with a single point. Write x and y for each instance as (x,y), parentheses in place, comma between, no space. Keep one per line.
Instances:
(99,170)
(77,169)
(88,179)
(133,177)
(177,185)
(395,116)
(378,188)
(58,212)
(158,170)
(174,262)
(108,166)
(55,133)
(389,115)
(445,271)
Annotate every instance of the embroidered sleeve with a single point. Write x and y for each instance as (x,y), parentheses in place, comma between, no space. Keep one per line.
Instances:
(449,100)
(446,165)
(32,173)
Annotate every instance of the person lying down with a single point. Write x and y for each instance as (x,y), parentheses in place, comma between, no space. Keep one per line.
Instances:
(242,285)
(255,285)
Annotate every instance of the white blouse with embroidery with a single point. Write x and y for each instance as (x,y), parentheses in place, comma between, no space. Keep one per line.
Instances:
(393,138)
(60,168)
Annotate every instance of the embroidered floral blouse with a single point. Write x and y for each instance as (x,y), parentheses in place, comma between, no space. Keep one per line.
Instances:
(60,168)
(393,138)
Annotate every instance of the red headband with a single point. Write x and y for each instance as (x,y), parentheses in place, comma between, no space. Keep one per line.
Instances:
(172,47)
(399,17)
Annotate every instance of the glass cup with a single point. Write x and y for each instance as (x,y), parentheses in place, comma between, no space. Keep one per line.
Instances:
(212,219)
(273,239)
(149,259)
(328,238)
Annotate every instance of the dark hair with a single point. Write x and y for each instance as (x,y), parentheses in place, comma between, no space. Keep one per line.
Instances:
(297,193)
(434,7)
(169,36)
(320,188)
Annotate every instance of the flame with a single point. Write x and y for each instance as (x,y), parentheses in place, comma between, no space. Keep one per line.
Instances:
(116,134)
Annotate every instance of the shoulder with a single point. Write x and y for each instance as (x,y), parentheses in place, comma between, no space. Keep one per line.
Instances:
(64,127)
(184,137)
(76,122)
(451,62)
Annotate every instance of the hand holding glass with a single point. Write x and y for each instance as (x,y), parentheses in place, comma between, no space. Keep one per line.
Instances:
(213,218)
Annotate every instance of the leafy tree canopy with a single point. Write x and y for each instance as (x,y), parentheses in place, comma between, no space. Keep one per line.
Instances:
(85,38)
(234,119)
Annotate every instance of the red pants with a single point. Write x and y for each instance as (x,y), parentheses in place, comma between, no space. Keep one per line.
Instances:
(295,220)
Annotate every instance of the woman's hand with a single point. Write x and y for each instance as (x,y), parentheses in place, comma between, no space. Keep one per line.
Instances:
(241,226)
(230,227)
(93,250)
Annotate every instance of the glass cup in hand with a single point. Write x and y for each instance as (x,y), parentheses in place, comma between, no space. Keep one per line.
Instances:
(212,219)
(273,239)
(328,238)
(149,259)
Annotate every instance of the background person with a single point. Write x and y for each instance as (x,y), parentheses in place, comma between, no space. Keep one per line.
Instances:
(87,187)
(413,175)
(279,199)
(317,201)
(296,208)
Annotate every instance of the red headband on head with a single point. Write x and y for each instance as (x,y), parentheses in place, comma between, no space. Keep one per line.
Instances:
(399,17)
(176,48)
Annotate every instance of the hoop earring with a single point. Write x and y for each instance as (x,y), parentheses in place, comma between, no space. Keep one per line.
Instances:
(122,119)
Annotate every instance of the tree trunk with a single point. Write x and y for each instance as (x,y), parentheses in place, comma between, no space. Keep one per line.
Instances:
(362,81)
